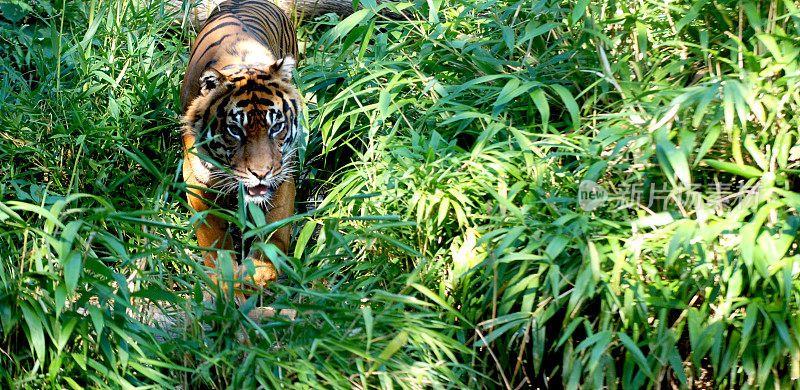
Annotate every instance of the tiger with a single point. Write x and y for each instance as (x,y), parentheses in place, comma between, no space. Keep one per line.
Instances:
(240,122)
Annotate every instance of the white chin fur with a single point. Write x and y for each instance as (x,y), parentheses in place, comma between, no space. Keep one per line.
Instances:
(259,200)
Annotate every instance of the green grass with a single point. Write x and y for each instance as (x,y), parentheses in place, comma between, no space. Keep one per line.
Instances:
(446,245)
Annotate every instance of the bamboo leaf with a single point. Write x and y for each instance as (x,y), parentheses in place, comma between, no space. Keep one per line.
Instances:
(569,102)
(708,141)
(400,340)
(758,156)
(579,10)
(736,169)
(35,331)
(637,354)
(73,266)
(691,15)
(303,237)
(673,160)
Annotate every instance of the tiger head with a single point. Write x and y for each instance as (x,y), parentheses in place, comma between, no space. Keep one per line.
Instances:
(244,122)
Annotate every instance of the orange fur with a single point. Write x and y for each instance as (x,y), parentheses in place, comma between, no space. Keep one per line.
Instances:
(240,110)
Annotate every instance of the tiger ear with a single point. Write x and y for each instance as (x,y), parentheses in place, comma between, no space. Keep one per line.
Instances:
(283,68)
(209,80)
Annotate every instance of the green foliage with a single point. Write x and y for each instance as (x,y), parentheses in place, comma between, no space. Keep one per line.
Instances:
(442,239)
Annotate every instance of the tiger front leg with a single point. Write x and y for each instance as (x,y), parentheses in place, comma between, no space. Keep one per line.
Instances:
(263,271)
(212,233)
(283,207)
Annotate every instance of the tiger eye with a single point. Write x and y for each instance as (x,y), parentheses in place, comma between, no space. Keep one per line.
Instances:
(234,132)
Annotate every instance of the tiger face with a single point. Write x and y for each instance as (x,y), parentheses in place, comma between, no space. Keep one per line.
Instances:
(244,122)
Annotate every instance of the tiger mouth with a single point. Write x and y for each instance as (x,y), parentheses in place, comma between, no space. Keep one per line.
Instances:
(260,190)
(260,193)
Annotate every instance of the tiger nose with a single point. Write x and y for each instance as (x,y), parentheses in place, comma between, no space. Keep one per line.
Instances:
(260,173)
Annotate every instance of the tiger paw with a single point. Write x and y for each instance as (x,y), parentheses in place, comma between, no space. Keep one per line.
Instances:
(264,272)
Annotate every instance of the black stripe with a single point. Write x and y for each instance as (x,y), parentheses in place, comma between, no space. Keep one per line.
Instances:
(221,113)
(200,40)
(273,27)
(215,44)
(264,39)
(252,86)
(217,27)
(232,66)
(247,87)
(213,18)
(262,13)
(263,102)
(268,8)
(250,20)
(208,111)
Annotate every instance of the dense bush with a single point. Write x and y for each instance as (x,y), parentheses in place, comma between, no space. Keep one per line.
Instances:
(577,194)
